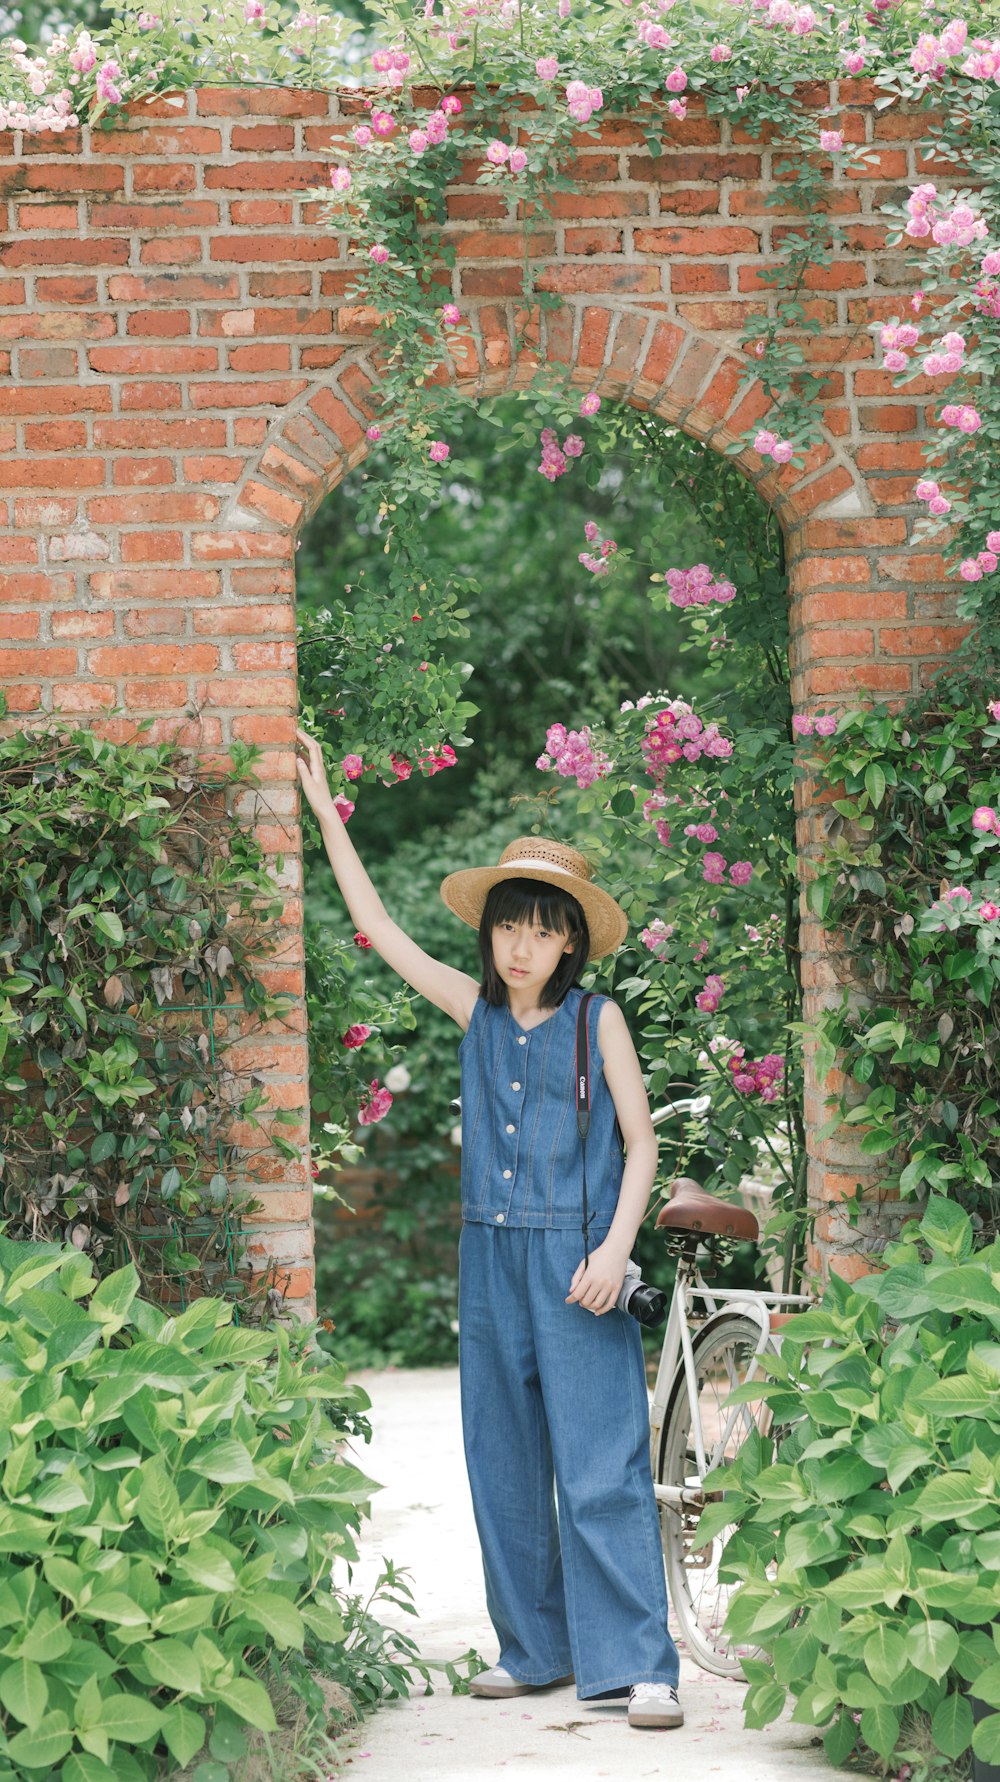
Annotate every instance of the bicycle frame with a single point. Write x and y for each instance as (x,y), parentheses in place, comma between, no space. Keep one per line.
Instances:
(677,1353)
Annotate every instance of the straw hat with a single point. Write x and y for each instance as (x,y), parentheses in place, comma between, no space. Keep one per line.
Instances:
(533,857)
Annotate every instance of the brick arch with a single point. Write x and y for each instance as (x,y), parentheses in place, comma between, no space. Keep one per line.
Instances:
(189,374)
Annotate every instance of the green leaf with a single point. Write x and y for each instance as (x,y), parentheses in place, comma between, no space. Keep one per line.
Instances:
(40,1747)
(951,1725)
(225,1463)
(950,1497)
(83,1766)
(875,783)
(24,1691)
(250,1700)
(211,1772)
(880,1730)
(173,1664)
(183,1732)
(227,1740)
(932,1646)
(158,1505)
(762,1704)
(130,1718)
(840,1739)
(277,1616)
(985,1739)
(110,925)
(115,1606)
(885,1654)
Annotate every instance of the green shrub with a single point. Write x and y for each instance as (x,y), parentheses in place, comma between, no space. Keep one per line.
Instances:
(870,1549)
(171,1501)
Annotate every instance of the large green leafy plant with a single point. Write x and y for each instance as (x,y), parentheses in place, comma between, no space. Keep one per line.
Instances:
(870,1546)
(135,912)
(171,1500)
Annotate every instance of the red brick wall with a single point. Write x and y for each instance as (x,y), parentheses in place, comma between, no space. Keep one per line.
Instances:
(184,382)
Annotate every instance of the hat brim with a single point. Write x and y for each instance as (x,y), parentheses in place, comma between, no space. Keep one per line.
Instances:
(465,894)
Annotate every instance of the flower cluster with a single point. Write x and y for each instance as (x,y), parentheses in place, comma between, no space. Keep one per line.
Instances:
(678,734)
(708,999)
(810,724)
(930,491)
(555,458)
(946,356)
(607,546)
(756,1076)
(582,101)
(697,587)
(961,415)
(713,870)
(376,1104)
(768,445)
(898,338)
(574,755)
(930,54)
(657,937)
(499,154)
(972,569)
(958,227)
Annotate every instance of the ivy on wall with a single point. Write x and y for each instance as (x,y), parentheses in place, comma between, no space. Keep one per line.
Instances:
(133,917)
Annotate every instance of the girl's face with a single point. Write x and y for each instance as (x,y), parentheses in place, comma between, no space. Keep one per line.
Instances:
(526,955)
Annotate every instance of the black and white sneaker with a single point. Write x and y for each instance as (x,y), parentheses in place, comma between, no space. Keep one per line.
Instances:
(654,1704)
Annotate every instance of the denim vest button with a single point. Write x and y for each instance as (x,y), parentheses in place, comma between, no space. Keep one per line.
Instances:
(512,1128)
(522,1039)
(515,1085)
(507,1174)
(499,1219)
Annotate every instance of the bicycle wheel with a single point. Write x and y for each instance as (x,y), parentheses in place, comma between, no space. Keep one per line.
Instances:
(722,1353)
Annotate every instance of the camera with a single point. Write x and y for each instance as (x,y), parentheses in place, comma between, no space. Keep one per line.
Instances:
(646,1304)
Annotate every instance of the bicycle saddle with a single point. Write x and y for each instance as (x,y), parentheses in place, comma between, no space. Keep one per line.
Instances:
(692,1208)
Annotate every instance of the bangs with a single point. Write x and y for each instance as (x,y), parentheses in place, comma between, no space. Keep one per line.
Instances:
(532,900)
(544,906)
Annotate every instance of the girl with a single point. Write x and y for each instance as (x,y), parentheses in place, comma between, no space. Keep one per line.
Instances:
(552,1375)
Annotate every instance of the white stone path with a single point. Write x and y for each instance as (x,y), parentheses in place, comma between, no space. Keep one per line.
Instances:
(423,1520)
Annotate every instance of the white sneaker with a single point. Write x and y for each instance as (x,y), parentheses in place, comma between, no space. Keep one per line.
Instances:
(654,1704)
(498,1684)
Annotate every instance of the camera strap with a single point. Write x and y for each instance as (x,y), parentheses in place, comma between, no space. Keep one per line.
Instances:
(583,1102)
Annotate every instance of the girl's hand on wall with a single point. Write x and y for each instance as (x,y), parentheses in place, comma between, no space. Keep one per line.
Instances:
(597,1283)
(312,776)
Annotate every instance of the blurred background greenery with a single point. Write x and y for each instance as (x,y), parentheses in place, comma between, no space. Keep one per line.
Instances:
(548,642)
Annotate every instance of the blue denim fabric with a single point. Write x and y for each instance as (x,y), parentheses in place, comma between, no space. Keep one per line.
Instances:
(547,1386)
(521,1153)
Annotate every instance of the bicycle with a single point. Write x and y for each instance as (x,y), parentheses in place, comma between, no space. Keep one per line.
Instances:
(706,1354)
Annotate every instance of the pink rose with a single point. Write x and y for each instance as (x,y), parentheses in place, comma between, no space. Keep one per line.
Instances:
(989,911)
(353,767)
(590,403)
(741,872)
(832,141)
(984,819)
(802,724)
(373,433)
(438,451)
(340,179)
(362,941)
(826,725)
(355,1036)
(344,807)
(379,254)
(547,68)
(376,1106)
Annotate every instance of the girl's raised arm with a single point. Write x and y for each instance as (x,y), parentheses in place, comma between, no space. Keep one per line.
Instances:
(449,989)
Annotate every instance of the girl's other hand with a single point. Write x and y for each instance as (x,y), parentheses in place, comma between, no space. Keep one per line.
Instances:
(312,776)
(597,1283)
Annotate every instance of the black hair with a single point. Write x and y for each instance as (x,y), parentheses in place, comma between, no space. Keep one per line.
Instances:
(532,900)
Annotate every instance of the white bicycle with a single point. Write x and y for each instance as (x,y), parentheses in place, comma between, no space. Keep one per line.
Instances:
(713,1342)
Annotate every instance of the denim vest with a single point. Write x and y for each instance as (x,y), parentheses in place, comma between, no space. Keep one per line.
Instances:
(522,1158)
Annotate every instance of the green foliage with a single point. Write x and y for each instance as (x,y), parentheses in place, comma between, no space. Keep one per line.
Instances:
(171,1500)
(904,879)
(868,1546)
(133,913)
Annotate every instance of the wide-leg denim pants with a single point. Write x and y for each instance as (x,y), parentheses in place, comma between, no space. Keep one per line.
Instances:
(548,1388)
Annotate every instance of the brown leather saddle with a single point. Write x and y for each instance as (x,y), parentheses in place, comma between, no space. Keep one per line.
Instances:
(692,1208)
